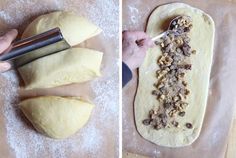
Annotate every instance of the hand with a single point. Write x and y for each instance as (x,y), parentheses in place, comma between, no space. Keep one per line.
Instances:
(134,47)
(5,42)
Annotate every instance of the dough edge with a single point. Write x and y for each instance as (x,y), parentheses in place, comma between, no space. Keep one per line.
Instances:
(33,28)
(38,81)
(145,133)
(44,130)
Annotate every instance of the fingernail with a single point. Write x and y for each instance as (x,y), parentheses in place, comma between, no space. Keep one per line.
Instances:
(13,30)
(4,67)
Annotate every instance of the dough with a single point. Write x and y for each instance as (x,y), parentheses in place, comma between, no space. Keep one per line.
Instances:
(56,117)
(70,66)
(202,38)
(75,29)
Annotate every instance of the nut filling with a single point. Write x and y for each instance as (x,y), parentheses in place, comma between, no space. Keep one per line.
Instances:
(171,89)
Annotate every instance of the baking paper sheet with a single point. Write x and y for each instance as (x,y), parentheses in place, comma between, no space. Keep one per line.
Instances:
(212,141)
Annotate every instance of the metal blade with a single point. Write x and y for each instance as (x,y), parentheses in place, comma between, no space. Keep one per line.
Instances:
(32,48)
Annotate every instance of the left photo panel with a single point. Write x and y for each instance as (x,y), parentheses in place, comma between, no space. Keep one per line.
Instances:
(59,80)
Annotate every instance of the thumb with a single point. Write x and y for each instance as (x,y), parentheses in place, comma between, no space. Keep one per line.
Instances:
(5,40)
(146,43)
(150,42)
(4,66)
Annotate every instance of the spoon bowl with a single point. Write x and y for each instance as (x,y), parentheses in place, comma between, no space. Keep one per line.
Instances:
(168,29)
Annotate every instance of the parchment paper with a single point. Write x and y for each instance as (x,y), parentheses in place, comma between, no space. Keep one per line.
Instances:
(99,138)
(221,99)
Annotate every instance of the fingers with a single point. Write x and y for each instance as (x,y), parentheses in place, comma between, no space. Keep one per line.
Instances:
(140,35)
(6,40)
(134,35)
(146,43)
(4,66)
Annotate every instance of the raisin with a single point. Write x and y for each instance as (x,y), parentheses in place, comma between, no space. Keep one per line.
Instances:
(189,125)
(182,113)
(146,122)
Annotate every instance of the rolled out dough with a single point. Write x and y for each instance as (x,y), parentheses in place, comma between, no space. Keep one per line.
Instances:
(202,39)
(56,117)
(74,65)
(75,29)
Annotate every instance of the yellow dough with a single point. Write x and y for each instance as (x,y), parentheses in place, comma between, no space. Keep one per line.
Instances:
(75,29)
(56,117)
(202,39)
(70,66)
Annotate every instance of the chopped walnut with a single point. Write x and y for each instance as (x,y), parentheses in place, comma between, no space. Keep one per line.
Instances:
(162,44)
(172,113)
(184,83)
(179,41)
(165,60)
(161,73)
(171,89)
(176,98)
(175,123)
(162,97)
(182,24)
(167,105)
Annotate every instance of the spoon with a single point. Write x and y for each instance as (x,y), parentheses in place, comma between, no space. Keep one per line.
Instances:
(169,29)
(140,42)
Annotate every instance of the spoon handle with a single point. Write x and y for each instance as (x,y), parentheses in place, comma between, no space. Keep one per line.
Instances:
(158,36)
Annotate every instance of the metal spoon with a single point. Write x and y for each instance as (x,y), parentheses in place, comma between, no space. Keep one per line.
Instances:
(139,42)
(164,33)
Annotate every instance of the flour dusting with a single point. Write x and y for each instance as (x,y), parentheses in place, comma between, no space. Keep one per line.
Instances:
(136,15)
(92,140)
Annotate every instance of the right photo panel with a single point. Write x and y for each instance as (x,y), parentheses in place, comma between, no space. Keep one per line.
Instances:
(178,66)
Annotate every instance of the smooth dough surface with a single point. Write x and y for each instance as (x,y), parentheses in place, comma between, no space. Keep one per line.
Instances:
(202,39)
(74,28)
(56,117)
(74,65)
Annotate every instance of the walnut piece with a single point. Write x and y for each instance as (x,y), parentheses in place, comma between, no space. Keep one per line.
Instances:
(171,89)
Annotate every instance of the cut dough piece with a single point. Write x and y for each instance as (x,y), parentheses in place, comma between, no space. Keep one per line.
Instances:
(75,29)
(74,65)
(202,39)
(56,117)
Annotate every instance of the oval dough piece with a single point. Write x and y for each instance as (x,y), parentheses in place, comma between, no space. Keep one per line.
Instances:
(74,65)
(56,117)
(75,29)
(202,39)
